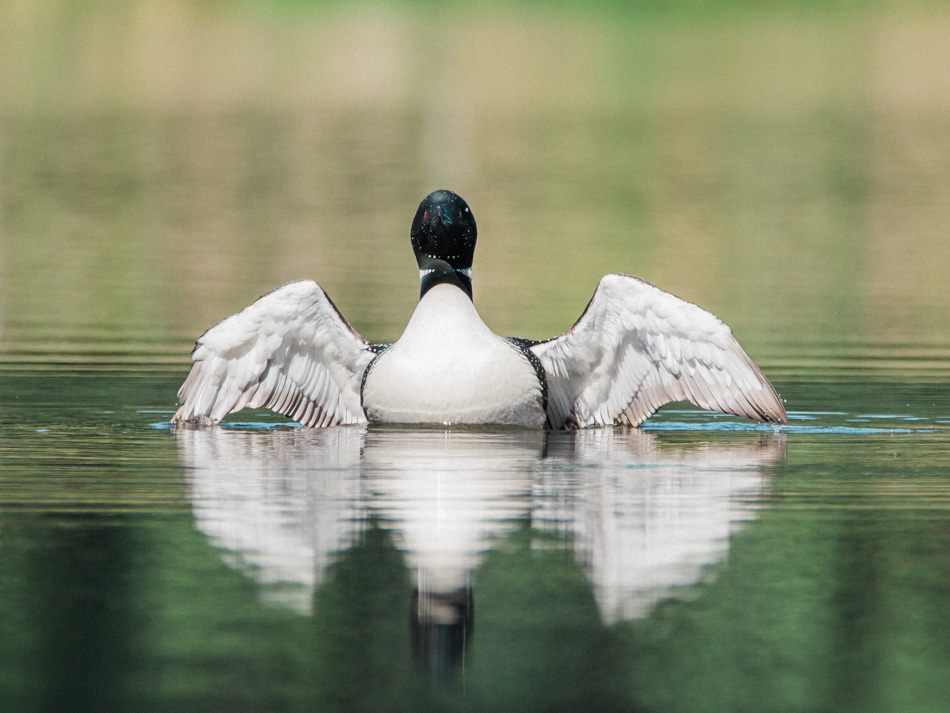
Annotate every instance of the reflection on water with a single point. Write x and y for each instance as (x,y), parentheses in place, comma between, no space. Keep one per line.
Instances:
(648,518)
(279,503)
(261,566)
(643,519)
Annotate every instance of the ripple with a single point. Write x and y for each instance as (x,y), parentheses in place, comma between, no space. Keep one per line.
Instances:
(736,426)
(235,425)
(657,426)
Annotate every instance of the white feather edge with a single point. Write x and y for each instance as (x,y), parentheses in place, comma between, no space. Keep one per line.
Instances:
(636,348)
(290,351)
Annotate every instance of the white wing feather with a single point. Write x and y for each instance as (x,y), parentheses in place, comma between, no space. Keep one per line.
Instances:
(291,352)
(636,348)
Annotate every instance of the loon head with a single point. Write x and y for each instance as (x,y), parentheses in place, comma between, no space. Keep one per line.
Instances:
(443,238)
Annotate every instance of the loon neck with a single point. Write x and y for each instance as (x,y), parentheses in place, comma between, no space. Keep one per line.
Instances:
(437,272)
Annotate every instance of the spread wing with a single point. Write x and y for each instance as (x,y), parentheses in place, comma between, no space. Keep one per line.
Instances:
(636,348)
(291,351)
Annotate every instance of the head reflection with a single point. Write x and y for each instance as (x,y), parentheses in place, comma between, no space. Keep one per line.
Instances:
(441,626)
(642,517)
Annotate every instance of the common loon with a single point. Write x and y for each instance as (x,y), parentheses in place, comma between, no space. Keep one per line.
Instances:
(634,349)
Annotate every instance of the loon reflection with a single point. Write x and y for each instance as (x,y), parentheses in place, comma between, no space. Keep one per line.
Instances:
(644,517)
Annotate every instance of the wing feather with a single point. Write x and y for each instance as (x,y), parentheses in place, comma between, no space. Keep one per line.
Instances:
(291,351)
(636,348)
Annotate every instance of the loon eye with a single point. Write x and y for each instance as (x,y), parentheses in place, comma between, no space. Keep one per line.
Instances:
(425,216)
(460,214)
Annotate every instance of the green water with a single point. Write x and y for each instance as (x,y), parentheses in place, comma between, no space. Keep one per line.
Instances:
(686,566)
(164,165)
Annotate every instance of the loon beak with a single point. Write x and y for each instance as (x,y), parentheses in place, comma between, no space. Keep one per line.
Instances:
(442,217)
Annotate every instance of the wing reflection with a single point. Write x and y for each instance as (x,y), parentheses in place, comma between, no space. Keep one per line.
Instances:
(647,517)
(279,503)
(644,515)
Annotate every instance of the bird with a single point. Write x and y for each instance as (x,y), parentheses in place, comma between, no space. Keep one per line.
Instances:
(634,349)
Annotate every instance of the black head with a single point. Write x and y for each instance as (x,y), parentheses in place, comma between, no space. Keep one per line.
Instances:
(444,229)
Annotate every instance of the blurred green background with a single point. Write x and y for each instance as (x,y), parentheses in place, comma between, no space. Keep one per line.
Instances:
(782,164)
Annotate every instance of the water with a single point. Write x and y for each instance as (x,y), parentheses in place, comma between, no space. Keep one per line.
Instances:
(261,566)
(699,563)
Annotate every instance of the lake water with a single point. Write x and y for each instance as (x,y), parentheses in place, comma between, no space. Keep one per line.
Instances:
(166,164)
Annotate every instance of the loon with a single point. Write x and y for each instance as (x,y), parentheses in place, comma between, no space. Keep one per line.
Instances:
(634,349)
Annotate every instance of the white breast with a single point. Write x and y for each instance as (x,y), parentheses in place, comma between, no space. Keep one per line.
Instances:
(449,367)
